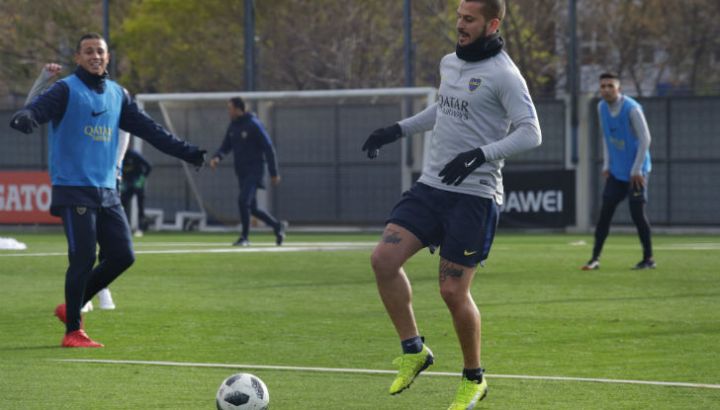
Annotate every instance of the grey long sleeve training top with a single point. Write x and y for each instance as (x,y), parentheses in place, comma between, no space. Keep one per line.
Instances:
(476,106)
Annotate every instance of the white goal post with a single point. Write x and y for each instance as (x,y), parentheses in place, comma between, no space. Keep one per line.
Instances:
(315,133)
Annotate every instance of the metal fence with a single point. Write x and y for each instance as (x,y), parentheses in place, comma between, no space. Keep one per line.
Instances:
(327,180)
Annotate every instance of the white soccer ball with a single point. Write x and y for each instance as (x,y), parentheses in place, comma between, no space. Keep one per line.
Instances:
(242,391)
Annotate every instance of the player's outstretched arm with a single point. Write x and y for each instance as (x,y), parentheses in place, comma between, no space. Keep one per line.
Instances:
(380,137)
(138,123)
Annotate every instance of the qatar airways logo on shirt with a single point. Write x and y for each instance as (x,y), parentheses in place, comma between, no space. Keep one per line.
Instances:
(617,143)
(454,107)
(98,133)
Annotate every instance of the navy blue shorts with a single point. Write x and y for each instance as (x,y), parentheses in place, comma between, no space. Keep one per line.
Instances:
(617,190)
(462,225)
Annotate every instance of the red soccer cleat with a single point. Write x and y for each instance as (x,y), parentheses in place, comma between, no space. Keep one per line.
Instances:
(79,338)
(61,312)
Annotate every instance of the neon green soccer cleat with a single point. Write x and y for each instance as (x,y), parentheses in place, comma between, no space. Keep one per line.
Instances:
(409,366)
(468,394)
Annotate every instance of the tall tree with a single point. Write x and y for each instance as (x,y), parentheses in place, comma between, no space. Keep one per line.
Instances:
(655,41)
(623,25)
(181,46)
(310,44)
(31,35)
(691,40)
(529,30)
(197,45)
(434,36)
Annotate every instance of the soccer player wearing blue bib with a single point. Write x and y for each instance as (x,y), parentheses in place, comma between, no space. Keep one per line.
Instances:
(454,204)
(626,166)
(86,111)
(48,76)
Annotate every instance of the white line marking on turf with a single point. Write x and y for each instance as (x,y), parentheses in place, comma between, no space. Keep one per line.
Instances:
(261,244)
(700,246)
(302,247)
(376,371)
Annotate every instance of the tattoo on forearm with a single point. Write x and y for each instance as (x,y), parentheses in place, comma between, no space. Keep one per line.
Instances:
(448,269)
(392,237)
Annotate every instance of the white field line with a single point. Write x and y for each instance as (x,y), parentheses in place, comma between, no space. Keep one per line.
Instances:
(691,246)
(302,247)
(700,246)
(377,371)
(254,244)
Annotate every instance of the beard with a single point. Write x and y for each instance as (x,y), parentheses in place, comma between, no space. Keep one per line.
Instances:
(482,47)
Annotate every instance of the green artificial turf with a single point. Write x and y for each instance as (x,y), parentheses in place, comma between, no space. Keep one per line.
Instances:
(541,315)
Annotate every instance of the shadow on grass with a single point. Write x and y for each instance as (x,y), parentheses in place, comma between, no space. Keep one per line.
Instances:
(29,348)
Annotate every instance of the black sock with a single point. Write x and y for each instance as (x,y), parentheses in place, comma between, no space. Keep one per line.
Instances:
(412,345)
(475,375)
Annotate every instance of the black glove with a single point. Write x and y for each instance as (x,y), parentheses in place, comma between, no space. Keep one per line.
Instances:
(24,121)
(197,158)
(463,165)
(380,137)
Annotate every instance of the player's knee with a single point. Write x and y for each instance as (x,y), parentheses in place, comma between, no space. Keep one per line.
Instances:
(637,210)
(82,261)
(383,264)
(78,270)
(125,259)
(452,293)
(245,201)
(377,261)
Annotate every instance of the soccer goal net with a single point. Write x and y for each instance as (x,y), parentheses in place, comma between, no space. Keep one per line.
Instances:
(326,179)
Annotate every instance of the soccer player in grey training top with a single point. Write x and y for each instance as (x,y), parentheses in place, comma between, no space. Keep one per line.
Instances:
(454,204)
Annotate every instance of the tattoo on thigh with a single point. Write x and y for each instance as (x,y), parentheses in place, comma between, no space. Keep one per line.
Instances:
(392,237)
(448,269)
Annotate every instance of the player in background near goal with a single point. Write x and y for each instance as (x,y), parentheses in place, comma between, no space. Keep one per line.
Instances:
(86,109)
(454,204)
(626,166)
(47,76)
(135,170)
(252,148)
